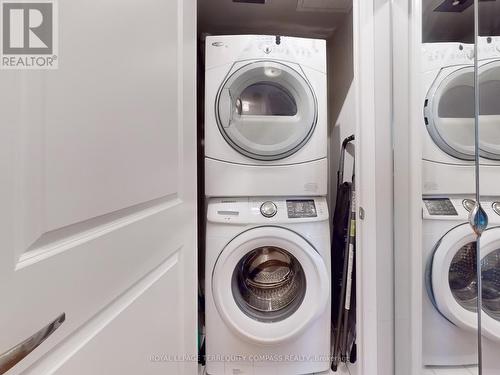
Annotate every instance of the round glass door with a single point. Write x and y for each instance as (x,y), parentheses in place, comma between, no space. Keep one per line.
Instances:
(449,113)
(462,277)
(269,284)
(490,277)
(489,92)
(266,110)
(453,280)
(490,273)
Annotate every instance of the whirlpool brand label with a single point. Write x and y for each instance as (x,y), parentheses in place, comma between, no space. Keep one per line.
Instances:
(29,37)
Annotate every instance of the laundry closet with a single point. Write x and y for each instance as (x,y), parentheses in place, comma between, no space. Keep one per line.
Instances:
(275,103)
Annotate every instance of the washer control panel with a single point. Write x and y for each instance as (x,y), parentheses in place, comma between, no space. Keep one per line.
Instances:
(469,204)
(496,207)
(298,208)
(459,209)
(267,210)
(440,207)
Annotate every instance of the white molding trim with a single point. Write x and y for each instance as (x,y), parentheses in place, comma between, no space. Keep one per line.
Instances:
(365,153)
(374,171)
(407,187)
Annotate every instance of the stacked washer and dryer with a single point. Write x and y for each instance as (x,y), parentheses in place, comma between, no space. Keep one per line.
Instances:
(449,247)
(267,284)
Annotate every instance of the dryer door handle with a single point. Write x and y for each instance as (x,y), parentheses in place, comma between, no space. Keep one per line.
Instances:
(227,108)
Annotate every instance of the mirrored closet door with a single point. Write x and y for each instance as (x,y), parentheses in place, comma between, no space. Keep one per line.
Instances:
(487,97)
(449,277)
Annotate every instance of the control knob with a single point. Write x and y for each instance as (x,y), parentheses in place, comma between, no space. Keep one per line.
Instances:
(268,209)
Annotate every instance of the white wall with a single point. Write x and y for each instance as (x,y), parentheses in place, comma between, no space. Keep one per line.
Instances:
(374,169)
(384,186)
(341,108)
(341,104)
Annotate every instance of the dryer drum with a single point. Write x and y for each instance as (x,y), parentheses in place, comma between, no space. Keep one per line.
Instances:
(266,110)
(269,281)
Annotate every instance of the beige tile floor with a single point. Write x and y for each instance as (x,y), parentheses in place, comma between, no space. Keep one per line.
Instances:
(462,370)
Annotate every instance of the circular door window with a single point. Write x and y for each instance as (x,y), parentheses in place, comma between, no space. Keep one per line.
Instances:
(489,120)
(266,110)
(449,113)
(490,274)
(269,284)
(490,277)
(453,277)
(462,277)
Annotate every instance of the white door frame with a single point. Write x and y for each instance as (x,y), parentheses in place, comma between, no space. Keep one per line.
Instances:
(373,86)
(407,186)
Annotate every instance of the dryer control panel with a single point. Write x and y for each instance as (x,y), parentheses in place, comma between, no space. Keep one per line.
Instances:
(267,210)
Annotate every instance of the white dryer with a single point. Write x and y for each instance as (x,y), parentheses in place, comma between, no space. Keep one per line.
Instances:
(267,286)
(265,116)
(489,95)
(448,120)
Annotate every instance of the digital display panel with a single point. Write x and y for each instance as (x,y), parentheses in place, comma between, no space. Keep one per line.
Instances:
(440,206)
(301,208)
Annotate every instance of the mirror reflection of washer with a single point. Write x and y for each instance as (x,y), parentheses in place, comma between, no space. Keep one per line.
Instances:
(265,116)
(267,285)
(490,275)
(449,316)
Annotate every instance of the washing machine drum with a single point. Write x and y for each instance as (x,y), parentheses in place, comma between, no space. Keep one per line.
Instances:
(449,112)
(490,276)
(452,277)
(266,110)
(269,284)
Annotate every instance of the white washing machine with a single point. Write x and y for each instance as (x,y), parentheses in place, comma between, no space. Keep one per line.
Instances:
(265,116)
(448,119)
(490,275)
(267,286)
(450,293)
(450,284)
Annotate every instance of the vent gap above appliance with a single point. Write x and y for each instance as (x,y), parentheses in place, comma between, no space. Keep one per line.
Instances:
(250,1)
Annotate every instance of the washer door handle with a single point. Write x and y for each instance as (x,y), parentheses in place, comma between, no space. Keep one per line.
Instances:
(17,353)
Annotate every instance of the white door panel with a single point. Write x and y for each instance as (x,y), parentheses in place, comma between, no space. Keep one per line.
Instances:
(138,313)
(98,192)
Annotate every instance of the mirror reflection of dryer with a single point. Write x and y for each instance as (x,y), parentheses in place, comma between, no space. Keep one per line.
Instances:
(448,99)
(265,116)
